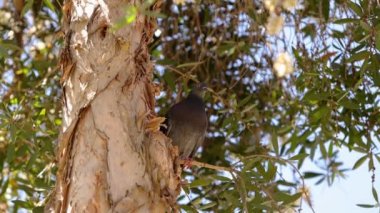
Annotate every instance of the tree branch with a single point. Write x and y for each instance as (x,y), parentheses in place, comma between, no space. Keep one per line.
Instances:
(206,165)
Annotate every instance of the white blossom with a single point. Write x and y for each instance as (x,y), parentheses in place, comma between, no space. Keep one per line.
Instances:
(289,4)
(274,24)
(5,17)
(283,65)
(179,1)
(40,45)
(48,40)
(11,34)
(271,4)
(32,30)
(157,32)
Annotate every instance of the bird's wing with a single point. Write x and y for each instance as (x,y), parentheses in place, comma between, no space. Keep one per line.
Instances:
(173,115)
(197,144)
(169,125)
(201,136)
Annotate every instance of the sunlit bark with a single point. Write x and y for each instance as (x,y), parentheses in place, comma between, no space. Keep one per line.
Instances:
(111,157)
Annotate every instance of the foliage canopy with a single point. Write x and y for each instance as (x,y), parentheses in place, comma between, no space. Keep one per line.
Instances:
(286,84)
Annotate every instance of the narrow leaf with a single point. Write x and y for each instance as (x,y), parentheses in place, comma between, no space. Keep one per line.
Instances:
(360,162)
(366,205)
(299,156)
(374,193)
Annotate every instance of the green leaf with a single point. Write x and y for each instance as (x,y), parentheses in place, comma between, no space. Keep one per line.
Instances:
(222,178)
(207,206)
(360,162)
(377,39)
(57,122)
(275,143)
(31,161)
(200,182)
(377,158)
(359,56)
(4,187)
(287,198)
(271,173)
(260,169)
(349,104)
(42,112)
(370,163)
(299,156)
(197,201)
(314,96)
(356,8)
(27,189)
(366,205)
(188,208)
(365,26)
(23,204)
(226,49)
(331,149)
(243,102)
(285,129)
(186,190)
(39,209)
(326,9)
(27,7)
(49,4)
(311,174)
(285,183)
(346,20)
(319,113)
(248,108)
(323,150)
(165,61)
(250,163)
(11,152)
(170,80)
(9,46)
(374,193)
(320,180)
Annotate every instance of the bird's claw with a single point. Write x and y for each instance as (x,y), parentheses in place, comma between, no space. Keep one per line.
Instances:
(187,163)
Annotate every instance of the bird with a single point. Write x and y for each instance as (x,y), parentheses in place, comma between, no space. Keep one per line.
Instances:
(187,122)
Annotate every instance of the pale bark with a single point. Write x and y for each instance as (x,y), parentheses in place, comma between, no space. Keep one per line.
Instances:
(111,157)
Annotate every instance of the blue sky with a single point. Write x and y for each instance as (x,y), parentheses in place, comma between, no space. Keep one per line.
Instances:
(344,194)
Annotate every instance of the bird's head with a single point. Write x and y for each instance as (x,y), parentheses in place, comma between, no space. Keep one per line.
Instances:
(199,89)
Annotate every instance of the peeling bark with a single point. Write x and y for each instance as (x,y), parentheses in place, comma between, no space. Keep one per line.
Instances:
(111,156)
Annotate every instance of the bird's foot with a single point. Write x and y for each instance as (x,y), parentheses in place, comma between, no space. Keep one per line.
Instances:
(187,163)
(184,183)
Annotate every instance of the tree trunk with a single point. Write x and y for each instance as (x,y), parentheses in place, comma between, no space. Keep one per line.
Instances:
(111,157)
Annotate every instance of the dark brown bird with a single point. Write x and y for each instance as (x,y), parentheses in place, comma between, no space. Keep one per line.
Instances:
(187,122)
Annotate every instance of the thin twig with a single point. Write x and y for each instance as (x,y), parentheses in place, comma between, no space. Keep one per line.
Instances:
(286,161)
(206,165)
(243,192)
